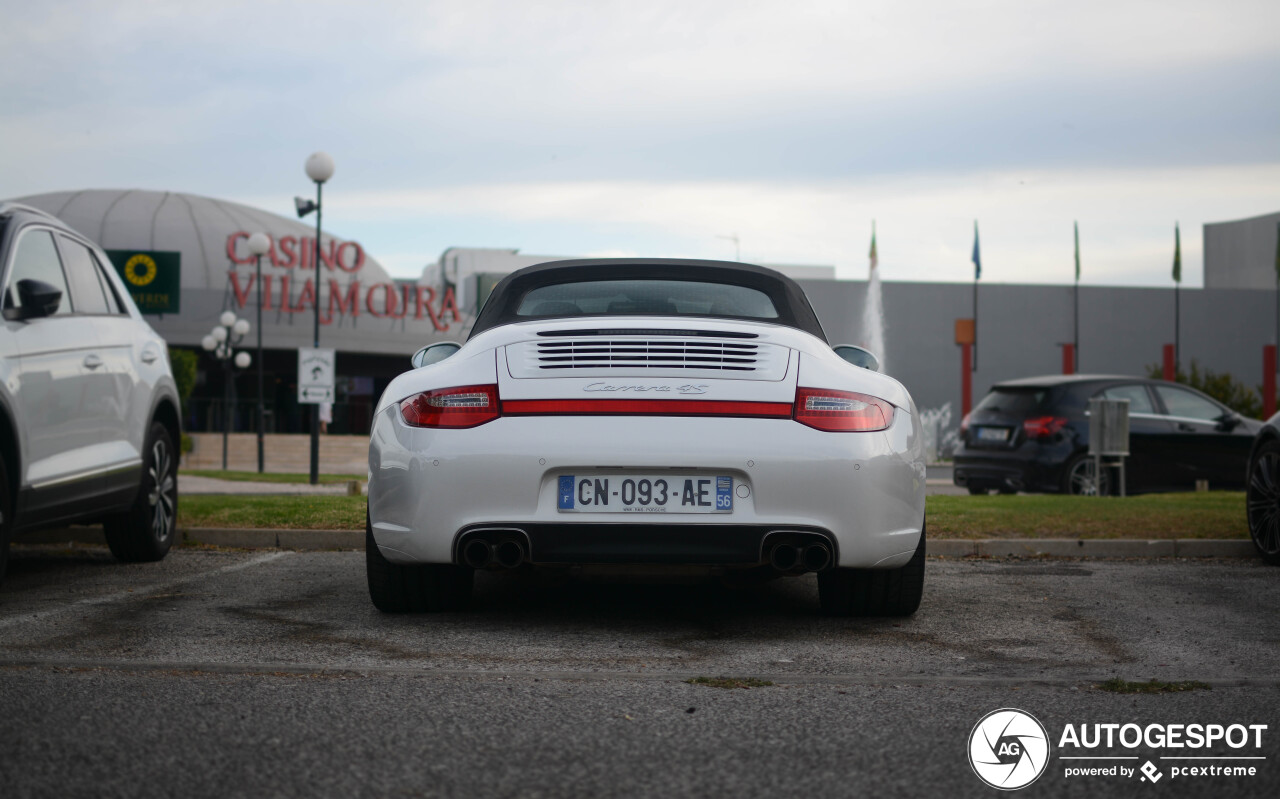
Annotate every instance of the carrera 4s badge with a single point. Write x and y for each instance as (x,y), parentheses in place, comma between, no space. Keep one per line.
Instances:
(638,388)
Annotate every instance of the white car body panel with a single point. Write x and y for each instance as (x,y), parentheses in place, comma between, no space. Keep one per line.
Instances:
(865,488)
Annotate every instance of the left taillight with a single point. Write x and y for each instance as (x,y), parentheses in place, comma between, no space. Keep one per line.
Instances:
(459,407)
(1044,426)
(841,411)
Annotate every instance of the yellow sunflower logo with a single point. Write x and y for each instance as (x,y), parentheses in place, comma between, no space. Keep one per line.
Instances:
(140,269)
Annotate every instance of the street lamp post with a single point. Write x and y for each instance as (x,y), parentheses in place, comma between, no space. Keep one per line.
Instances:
(221,342)
(260,245)
(319,168)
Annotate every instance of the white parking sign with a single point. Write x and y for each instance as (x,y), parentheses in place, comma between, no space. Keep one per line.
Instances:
(315,376)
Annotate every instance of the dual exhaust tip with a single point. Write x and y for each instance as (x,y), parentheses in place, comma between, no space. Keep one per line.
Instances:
(800,557)
(480,553)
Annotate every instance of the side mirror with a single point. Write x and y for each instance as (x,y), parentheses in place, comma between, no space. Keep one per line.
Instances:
(1229,421)
(37,300)
(434,353)
(858,356)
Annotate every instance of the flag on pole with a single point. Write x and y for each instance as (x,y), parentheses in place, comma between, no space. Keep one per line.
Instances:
(1077,224)
(977,257)
(1177,254)
(876,260)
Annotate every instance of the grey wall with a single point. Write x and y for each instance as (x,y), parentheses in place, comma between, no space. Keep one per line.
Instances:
(1241,255)
(1122,330)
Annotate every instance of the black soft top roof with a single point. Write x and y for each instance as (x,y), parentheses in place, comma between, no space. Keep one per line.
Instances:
(787,296)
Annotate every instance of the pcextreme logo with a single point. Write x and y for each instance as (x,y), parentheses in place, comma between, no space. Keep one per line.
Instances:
(1008,749)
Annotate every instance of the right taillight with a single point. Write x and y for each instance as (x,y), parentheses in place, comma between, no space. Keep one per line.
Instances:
(841,411)
(460,407)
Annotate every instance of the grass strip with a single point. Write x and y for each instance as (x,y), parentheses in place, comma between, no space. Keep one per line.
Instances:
(1213,514)
(1153,686)
(1191,515)
(729,682)
(271,477)
(275,511)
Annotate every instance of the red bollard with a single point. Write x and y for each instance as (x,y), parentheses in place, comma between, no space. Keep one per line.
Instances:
(1268,381)
(1170,368)
(1068,359)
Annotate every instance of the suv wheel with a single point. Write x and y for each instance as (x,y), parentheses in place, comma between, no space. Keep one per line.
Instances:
(6,518)
(1080,477)
(146,531)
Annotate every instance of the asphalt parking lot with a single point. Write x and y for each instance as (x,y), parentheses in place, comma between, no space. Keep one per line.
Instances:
(224,673)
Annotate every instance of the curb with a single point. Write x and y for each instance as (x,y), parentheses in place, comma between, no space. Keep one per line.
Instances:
(305,540)
(1092,548)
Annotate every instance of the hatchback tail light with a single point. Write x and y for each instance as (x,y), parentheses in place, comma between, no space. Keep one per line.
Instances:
(1043,426)
(460,407)
(841,411)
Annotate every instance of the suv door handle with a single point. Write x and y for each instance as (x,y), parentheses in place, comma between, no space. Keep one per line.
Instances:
(1186,428)
(92,361)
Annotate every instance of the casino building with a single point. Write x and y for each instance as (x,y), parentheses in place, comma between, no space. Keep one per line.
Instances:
(185,259)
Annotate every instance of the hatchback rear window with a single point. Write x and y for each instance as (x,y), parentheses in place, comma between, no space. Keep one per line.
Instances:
(646,297)
(1012,402)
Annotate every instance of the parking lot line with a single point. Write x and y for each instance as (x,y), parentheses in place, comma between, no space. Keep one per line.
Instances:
(116,597)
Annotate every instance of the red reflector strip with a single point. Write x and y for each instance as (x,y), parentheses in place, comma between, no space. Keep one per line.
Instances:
(646,407)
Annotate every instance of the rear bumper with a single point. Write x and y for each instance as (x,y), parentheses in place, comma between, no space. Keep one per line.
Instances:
(1011,470)
(649,544)
(864,490)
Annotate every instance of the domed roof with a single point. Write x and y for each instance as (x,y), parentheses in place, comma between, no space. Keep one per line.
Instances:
(198,227)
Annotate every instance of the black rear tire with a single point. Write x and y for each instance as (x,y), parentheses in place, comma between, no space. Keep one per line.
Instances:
(146,531)
(1262,502)
(6,518)
(874,592)
(420,588)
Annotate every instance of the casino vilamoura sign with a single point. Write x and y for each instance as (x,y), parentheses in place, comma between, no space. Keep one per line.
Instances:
(289,287)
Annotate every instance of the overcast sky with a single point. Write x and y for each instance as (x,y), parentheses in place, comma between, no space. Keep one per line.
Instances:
(658,128)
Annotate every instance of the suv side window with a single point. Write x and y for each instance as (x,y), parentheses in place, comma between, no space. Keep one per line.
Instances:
(114,305)
(1181,402)
(86,289)
(1139,399)
(36,259)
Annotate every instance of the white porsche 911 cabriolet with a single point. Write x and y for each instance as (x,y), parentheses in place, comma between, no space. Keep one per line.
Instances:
(646,412)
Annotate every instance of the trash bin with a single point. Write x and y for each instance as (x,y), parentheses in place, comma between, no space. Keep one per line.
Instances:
(1109,435)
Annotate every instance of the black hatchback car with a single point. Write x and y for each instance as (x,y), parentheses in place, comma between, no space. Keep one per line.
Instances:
(1033,435)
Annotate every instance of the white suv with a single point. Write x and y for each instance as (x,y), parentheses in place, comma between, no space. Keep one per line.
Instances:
(89,413)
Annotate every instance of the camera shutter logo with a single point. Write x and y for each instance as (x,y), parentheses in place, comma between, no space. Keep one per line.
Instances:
(1008,749)
(140,269)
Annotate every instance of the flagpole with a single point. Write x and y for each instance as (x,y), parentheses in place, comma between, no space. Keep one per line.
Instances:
(1177,300)
(1075,311)
(977,273)
(1177,329)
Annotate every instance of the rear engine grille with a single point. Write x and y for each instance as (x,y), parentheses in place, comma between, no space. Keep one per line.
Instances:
(724,356)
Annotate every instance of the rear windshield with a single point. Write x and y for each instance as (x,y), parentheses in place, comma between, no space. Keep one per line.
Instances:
(1011,402)
(647,297)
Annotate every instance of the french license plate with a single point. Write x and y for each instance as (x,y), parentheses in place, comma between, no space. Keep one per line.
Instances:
(993,434)
(645,493)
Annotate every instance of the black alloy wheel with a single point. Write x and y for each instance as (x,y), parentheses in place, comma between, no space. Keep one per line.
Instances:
(1081,477)
(146,531)
(1262,500)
